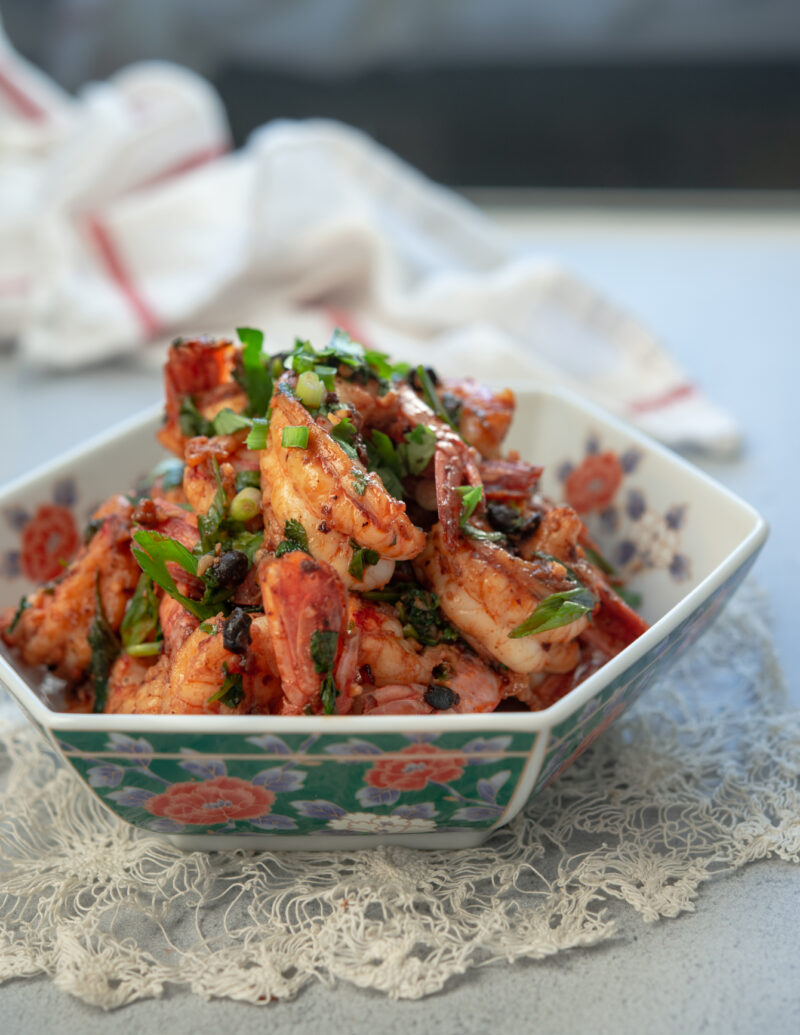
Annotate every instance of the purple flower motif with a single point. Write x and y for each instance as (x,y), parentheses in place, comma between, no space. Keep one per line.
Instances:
(64,492)
(353,746)
(629,460)
(609,519)
(485,746)
(11,564)
(679,566)
(675,516)
(318,809)
(168,826)
(205,768)
(372,796)
(592,445)
(121,744)
(625,551)
(274,822)
(422,810)
(487,789)
(132,797)
(563,471)
(421,738)
(478,813)
(635,504)
(272,745)
(106,775)
(280,779)
(17,517)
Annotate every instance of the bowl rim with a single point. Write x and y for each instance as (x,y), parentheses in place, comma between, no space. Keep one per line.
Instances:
(344,725)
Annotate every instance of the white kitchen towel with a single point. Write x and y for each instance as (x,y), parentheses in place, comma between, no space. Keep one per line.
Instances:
(123,223)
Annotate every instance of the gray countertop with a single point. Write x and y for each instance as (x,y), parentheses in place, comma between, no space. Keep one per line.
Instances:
(720,286)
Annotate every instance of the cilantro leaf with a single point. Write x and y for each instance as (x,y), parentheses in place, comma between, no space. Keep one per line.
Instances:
(430,396)
(362,558)
(556,610)
(418,449)
(226,422)
(231,693)
(296,538)
(141,614)
(254,376)
(345,432)
(210,523)
(360,481)
(323,649)
(191,421)
(154,553)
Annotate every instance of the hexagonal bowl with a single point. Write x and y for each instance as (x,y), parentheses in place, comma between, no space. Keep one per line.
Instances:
(432,781)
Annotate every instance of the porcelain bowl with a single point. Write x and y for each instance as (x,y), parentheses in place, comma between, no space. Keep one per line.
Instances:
(219,782)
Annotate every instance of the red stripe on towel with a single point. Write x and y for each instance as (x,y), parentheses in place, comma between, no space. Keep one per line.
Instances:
(22,101)
(658,402)
(103,241)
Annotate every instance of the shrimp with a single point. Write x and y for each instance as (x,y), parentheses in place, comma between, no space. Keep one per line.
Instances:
(486,592)
(199,478)
(199,369)
(53,627)
(306,610)
(403,671)
(332,495)
(136,685)
(484,415)
(454,462)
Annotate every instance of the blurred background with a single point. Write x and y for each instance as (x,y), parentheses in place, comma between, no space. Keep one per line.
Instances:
(642,94)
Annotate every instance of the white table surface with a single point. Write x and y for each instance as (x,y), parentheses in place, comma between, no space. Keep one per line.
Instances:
(721,286)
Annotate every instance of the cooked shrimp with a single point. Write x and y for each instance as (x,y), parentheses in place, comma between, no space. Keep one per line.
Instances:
(484,415)
(388,659)
(136,685)
(200,369)
(232,456)
(333,497)
(305,605)
(486,592)
(53,628)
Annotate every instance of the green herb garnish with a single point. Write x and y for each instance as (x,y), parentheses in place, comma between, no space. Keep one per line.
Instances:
(154,553)
(294,437)
(257,439)
(345,433)
(419,612)
(360,481)
(191,421)
(362,558)
(630,596)
(105,647)
(22,606)
(471,495)
(248,480)
(254,376)
(430,396)
(227,422)
(324,643)
(231,693)
(141,615)
(556,610)
(295,538)
(597,559)
(417,451)
(210,523)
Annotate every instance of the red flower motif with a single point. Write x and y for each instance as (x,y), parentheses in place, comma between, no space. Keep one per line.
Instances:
(412,774)
(49,541)
(592,486)
(212,801)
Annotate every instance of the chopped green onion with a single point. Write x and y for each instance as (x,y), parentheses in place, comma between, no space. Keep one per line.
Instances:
(245,505)
(231,693)
(556,610)
(630,596)
(145,650)
(471,496)
(191,421)
(104,646)
(599,561)
(326,375)
(310,390)
(293,437)
(257,439)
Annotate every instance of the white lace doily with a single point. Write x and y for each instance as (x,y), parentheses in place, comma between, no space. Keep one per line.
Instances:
(700,778)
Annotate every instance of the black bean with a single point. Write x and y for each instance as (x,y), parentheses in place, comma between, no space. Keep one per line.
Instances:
(236,631)
(441,697)
(228,570)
